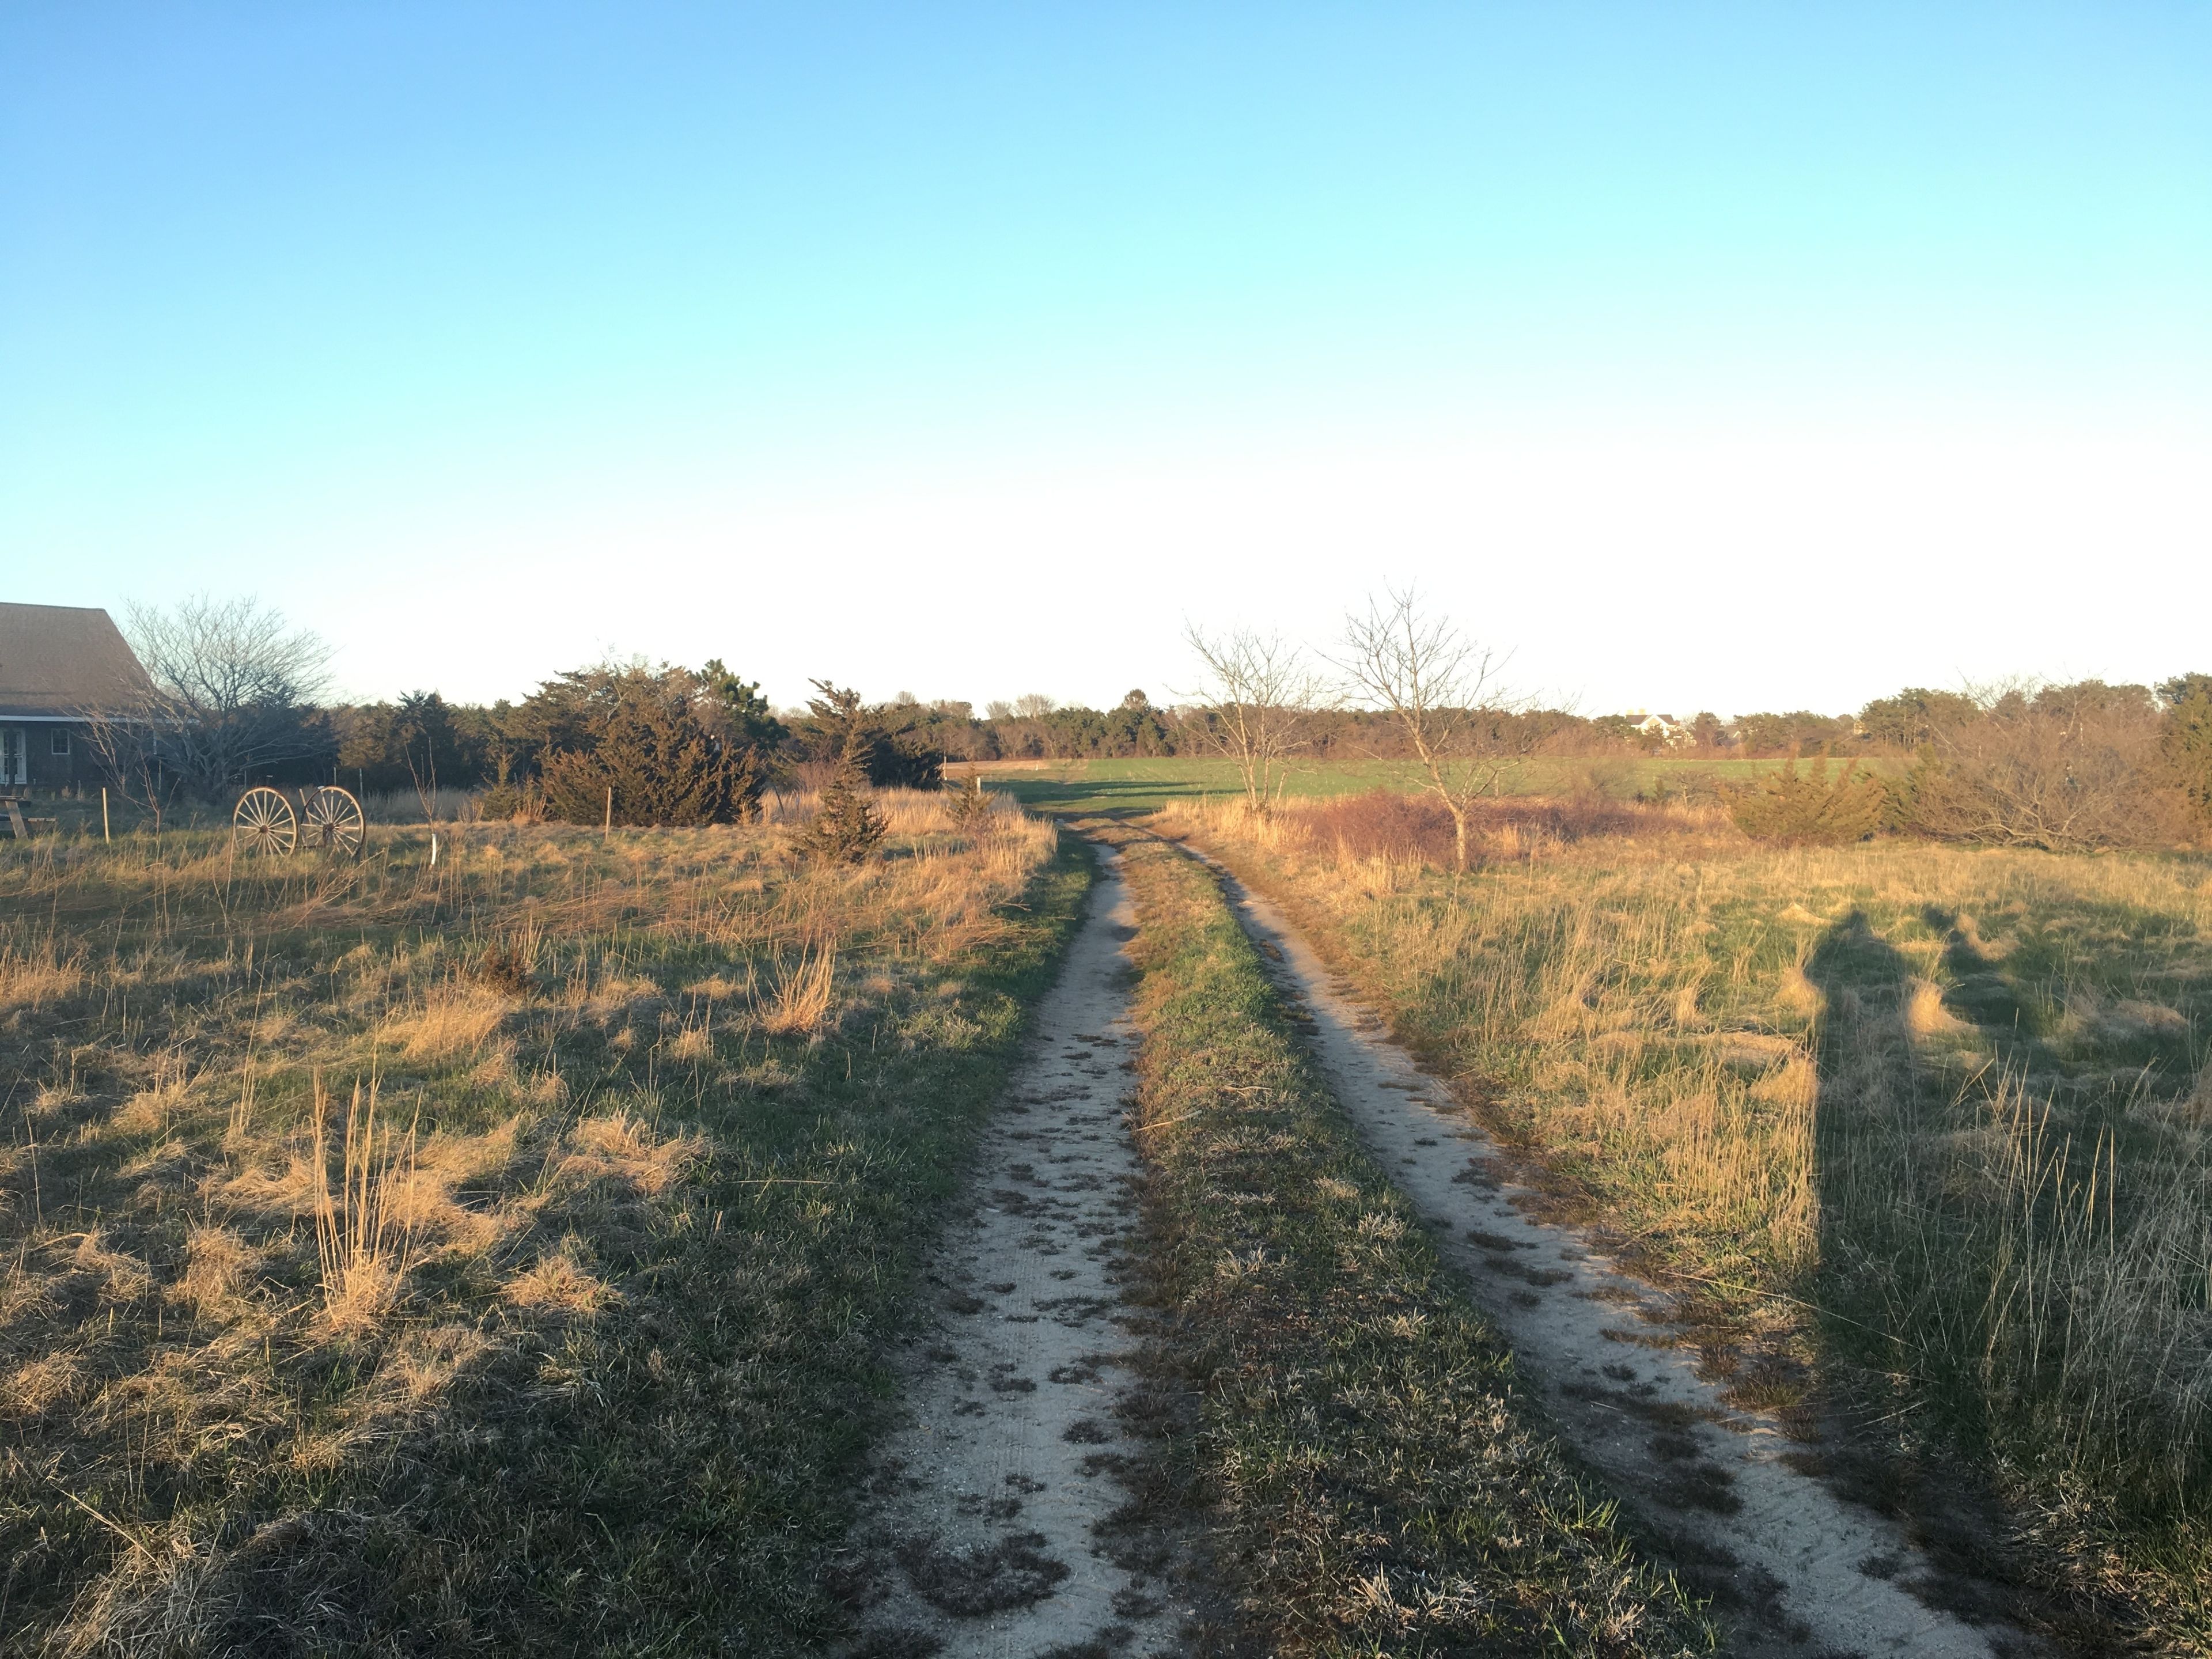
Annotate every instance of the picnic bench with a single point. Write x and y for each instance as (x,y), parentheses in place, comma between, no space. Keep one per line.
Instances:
(18,826)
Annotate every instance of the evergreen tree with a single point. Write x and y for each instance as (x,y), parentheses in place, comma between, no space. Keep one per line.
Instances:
(971,807)
(1807,808)
(849,827)
(638,742)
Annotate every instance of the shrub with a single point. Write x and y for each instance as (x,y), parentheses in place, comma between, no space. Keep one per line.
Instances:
(512,802)
(1382,822)
(1809,809)
(848,828)
(642,750)
(970,808)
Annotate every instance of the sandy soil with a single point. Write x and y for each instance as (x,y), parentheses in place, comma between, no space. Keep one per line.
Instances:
(1794,1568)
(994,1530)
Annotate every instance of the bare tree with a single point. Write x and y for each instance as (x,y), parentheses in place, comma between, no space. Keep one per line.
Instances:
(233,689)
(1444,689)
(127,741)
(1253,707)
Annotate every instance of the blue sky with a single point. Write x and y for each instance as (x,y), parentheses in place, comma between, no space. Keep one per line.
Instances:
(1726,357)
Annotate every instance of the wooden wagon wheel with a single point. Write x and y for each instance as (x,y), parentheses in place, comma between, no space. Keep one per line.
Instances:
(334,820)
(265,821)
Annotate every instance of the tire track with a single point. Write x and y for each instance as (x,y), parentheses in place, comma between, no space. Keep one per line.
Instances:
(992,1530)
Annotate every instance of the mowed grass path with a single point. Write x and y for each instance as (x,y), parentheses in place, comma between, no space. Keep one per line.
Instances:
(577,1354)
(1376,1479)
(1120,787)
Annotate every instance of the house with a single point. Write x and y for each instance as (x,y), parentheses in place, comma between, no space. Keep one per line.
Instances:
(58,665)
(1663,729)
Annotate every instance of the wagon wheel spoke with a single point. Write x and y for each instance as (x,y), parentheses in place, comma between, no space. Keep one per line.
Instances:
(335,821)
(265,821)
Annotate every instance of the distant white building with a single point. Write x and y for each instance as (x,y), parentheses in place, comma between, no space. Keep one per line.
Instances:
(1665,727)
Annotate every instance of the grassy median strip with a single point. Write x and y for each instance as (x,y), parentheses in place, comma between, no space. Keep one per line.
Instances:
(565,1332)
(1379,1482)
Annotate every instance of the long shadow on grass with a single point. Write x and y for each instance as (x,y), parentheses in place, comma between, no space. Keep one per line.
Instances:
(1902,1284)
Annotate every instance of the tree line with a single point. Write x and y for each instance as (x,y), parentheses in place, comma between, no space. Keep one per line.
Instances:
(239,698)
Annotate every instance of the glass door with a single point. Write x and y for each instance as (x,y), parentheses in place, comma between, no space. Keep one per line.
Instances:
(13,753)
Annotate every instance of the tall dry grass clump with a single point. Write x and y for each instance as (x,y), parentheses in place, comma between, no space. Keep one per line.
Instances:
(363,1238)
(805,993)
(35,975)
(1917,1113)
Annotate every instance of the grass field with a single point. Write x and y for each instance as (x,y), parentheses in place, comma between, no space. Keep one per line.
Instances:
(1376,1478)
(1123,787)
(1926,1129)
(495,1256)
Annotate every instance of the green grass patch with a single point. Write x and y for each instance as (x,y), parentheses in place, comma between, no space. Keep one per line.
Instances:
(1381,1483)
(1122,788)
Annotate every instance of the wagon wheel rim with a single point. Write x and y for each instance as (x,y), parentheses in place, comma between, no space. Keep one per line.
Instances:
(265,823)
(335,821)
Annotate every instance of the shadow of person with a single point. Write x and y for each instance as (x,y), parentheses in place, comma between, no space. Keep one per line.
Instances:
(1980,992)
(1878,1175)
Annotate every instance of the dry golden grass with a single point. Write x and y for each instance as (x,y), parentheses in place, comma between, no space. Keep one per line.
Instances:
(320,1179)
(452,1022)
(804,995)
(33,976)
(363,1238)
(1917,1113)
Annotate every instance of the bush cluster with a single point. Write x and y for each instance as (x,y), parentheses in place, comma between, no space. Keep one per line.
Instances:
(641,745)
(2060,768)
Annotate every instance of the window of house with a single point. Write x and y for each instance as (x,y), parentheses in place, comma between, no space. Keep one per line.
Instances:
(59,743)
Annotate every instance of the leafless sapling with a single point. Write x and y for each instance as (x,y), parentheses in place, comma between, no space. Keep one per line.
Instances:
(1257,695)
(1444,690)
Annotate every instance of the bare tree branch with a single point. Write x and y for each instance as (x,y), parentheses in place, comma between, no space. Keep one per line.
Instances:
(1444,689)
(233,688)
(1253,705)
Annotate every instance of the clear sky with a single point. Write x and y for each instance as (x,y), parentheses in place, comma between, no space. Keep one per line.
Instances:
(1724,356)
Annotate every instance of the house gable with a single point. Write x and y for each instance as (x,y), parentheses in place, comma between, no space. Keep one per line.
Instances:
(58,660)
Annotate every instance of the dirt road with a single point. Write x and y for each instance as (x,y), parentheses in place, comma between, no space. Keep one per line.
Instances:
(991,1531)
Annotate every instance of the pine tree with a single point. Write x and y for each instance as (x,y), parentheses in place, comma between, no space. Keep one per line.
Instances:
(970,808)
(849,827)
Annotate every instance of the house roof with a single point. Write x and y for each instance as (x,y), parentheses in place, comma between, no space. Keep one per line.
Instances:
(58,660)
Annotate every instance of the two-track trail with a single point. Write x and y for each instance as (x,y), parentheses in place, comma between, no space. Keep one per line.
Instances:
(1795,1567)
(993,1528)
